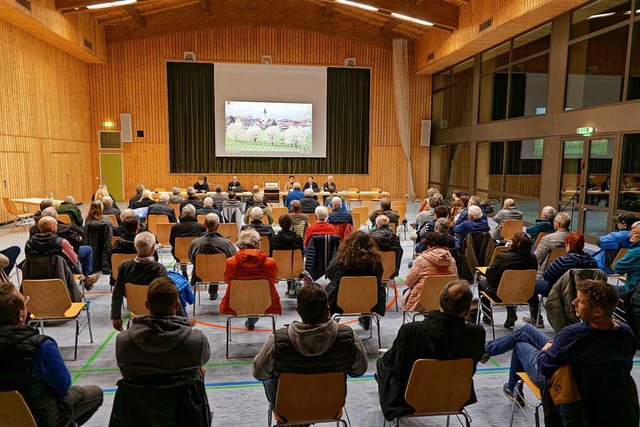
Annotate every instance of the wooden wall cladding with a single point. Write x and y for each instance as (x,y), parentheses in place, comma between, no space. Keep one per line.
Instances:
(134,81)
(45,139)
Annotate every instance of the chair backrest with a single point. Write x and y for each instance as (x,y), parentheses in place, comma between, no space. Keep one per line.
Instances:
(154,220)
(556,253)
(116,260)
(48,298)
(159,190)
(439,386)
(136,297)
(264,244)
(497,250)
(265,219)
(510,227)
(249,296)
(393,227)
(229,230)
(431,288)
(210,267)
(164,232)
(289,263)
(363,213)
(277,212)
(201,218)
(622,252)
(540,236)
(176,209)
(402,212)
(307,398)
(113,219)
(182,248)
(14,411)
(357,220)
(357,294)
(517,286)
(388,264)
(10,206)
(65,218)
(312,218)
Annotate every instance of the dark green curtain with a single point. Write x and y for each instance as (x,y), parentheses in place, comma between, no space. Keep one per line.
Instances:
(631,154)
(496,157)
(500,84)
(348,104)
(517,166)
(191,116)
(517,95)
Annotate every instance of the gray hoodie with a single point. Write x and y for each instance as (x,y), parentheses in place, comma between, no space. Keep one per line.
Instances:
(159,345)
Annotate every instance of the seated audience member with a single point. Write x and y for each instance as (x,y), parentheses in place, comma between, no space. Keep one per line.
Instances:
(456,207)
(44,204)
(127,213)
(428,213)
(163,208)
(201,186)
(542,225)
(316,345)
(385,207)
(136,197)
(232,202)
(548,243)
(358,255)
(145,201)
(294,194)
(289,184)
(258,202)
(575,258)
(191,199)
(329,184)
(234,185)
(435,261)
(611,243)
(255,215)
(161,343)
(339,215)
(98,231)
(69,207)
(176,197)
(442,335)
(321,226)
(387,240)
(139,271)
(287,239)
(300,220)
(96,215)
(219,198)
(250,200)
(33,366)
(440,211)
(109,209)
(630,263)
(507,212)
(518,257)
(308,204)
(476,222)
(462,215)
(207,208)
(311,184)
(187,227)
(250,263)
(9,257)
(126,243)
(599,350)
(425,202)
(211,242)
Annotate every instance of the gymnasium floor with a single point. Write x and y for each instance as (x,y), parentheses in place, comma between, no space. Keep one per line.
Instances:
(235,396)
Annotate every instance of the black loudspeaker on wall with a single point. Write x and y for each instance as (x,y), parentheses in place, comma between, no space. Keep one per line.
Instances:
(125,128)
(425,135)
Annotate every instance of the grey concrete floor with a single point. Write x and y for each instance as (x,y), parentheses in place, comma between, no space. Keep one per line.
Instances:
(235,396)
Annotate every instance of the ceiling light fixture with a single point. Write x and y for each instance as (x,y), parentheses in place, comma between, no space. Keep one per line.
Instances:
(112,4)
(601,15)
(358,5)
(411,19)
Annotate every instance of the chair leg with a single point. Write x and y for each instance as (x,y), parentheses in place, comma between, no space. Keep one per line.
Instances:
(493,323)
(537,415)
(75,351)
(88,308)
(228,334)
(377,319)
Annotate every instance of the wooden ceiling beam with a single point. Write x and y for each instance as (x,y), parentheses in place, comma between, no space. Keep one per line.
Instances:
(133,13)
(439,12)
(391,25)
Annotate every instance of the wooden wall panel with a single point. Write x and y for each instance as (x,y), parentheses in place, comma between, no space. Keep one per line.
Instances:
(45,138)
(134,81)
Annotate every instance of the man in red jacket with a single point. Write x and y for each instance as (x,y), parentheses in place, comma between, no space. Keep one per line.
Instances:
(320,227)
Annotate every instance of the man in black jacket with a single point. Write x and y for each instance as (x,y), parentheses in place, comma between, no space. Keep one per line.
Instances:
(442,335)
(287,239)
(191,199)
(163,208)
(387,240)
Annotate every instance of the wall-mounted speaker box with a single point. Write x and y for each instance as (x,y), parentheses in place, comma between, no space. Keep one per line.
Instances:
(125,128)
(425,136)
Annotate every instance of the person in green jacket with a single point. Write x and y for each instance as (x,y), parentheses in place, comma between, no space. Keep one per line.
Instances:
(630,263)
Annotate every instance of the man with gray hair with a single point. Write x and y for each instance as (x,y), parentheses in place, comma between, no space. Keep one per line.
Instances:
(219,198)
(294,194)
(211,242)
(163,208)
(208,208)
(176,197)
(139,271)
(191,199)
(255,215)
(136,197)
(308,204)
(542,225)
(187,227)
(476,222)
(69,207)
(464,212)
(321,226)
(557,239)
(387,240)
(339,215)
(507,212)
(258,201)
(109,209)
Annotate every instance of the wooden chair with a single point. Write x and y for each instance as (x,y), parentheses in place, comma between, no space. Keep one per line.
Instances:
(14,411)
(264,244)
(116,260)
(50,302)
(510,227)
(113,219)
(363,214)
(210,269)
(64,218)
(516,287)
(290,264)
(176,209)
(357,220)
(539,238)
(309,399)
(114,239)
(229,230)
(483,269)
(181,250)
(518,392)
(201,218)
(388,268)
(277,212)
(623,277)
(163,234)
(312,218)
(439,387)
(20,218)
(159,190)
(154,220)
(356,296)
(557,253)
(249,298)
(432,286)
(136,298)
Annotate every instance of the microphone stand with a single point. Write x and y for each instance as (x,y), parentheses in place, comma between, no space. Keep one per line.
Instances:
(572,201)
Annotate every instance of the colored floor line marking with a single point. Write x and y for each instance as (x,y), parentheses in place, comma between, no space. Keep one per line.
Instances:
(236,328)
(495,363)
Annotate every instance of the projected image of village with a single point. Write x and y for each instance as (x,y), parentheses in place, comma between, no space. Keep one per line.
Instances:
(267,127)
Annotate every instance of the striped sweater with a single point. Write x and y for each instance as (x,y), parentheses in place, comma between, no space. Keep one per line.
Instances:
(561,265)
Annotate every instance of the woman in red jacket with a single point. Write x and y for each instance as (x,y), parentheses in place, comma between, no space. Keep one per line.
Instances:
(250,263)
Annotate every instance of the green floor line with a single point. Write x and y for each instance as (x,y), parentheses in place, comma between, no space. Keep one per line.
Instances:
(494,362)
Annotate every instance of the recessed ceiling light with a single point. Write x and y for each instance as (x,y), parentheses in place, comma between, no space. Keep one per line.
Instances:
(112,4)
(411,19)
(601,15)
(358,5)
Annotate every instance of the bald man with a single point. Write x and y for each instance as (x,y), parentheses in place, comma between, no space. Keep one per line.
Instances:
(507,212)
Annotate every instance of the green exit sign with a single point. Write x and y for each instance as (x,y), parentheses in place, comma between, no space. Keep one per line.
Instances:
(586,131)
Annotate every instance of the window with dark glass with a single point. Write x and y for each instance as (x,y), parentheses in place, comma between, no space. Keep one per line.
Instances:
(633,86)
(452,97)
(629,183)
(598,15)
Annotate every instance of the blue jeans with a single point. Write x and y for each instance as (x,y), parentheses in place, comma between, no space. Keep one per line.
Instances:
(526,344)
(85,256)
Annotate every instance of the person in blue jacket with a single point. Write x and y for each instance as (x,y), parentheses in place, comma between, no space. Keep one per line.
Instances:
(295,194)
(611,243)
(542,225)
(630,263)
(476,222)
